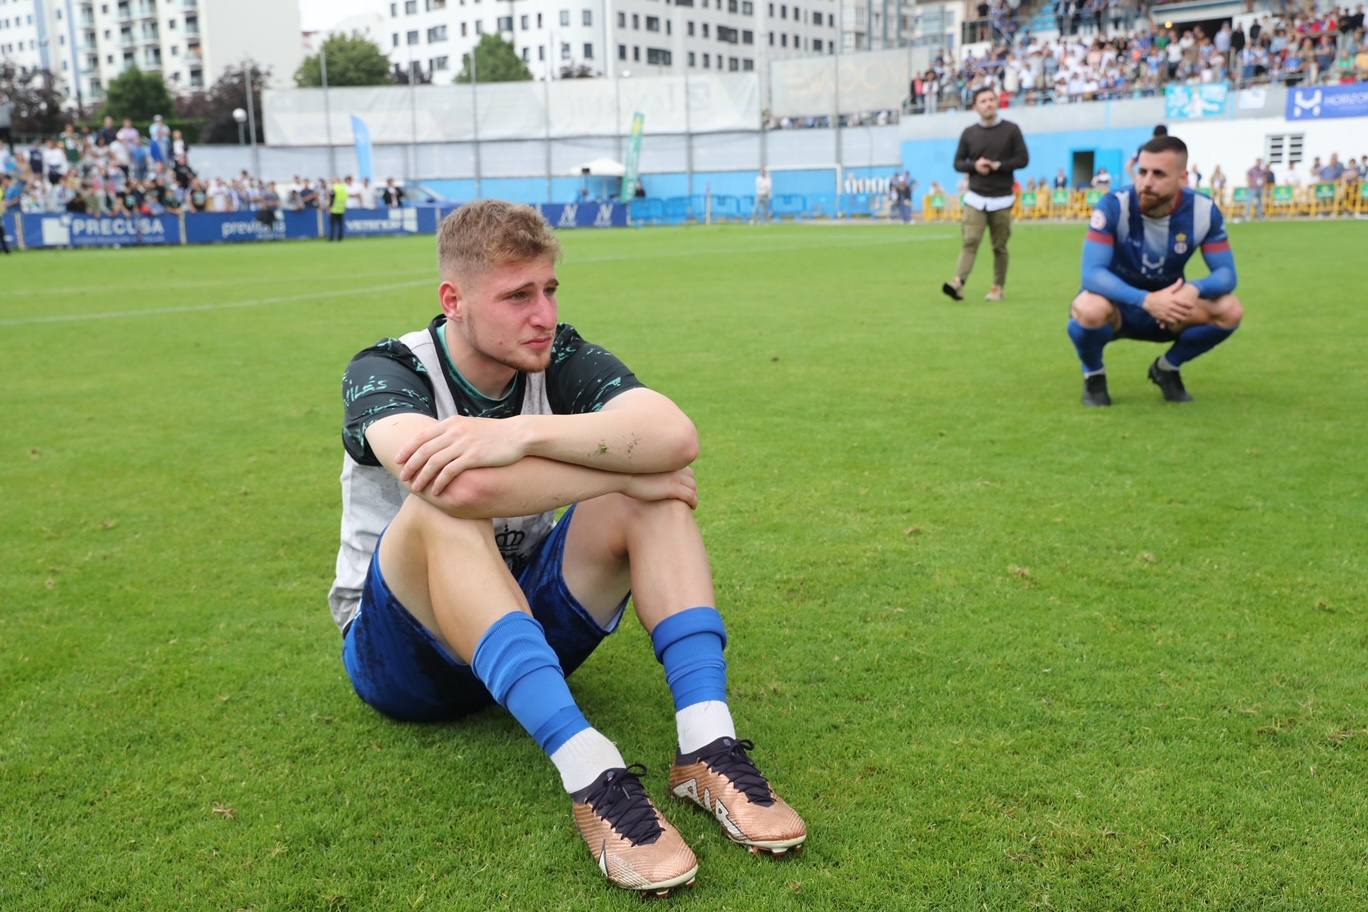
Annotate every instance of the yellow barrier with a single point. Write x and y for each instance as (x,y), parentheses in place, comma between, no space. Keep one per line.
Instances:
(1325,199)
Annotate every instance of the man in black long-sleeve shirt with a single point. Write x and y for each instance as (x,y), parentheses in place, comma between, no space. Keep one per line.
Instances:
(989,151)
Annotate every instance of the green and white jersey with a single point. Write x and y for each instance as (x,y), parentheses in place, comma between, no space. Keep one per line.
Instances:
(415,373)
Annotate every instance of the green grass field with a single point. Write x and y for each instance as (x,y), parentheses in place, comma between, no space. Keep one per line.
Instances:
(1002,652)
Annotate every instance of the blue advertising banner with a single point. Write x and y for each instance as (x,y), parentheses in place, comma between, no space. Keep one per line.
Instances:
(584,215)
(1318,102)
(66,230)
(214,227)
(382,222)
(236,227)
(430,217)
(1183,102)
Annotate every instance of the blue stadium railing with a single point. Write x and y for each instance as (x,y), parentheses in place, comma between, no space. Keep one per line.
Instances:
(679,210)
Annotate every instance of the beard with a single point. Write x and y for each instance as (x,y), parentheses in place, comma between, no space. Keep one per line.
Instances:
(1156,204)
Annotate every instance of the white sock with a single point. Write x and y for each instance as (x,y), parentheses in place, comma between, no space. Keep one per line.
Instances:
(584,757)
(703,723)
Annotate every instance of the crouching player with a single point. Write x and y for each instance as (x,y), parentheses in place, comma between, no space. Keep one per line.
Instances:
(1139,240)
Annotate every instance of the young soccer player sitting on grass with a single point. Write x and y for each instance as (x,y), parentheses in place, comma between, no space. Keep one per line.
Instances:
(454,587)
(1139,241)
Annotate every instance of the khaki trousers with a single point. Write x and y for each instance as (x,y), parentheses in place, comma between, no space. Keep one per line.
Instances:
(975,222)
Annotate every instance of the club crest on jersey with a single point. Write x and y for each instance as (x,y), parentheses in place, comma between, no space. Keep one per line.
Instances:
(1098,220)
(1180,245)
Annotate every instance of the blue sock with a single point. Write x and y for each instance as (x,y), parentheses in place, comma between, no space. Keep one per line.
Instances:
(689,645)
(1090,343)
(1195,340)
(521,670)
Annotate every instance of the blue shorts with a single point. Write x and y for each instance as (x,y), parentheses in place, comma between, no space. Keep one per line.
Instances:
(401,669)
(1138,323)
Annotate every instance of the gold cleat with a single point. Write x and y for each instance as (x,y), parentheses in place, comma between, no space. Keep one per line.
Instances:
(721,779)
(634,845)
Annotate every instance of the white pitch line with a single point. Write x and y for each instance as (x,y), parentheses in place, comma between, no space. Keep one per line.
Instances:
(287,299)
(202,308)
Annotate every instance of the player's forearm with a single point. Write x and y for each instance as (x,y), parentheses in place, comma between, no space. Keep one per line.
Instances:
(1105,283)
(526,487)
(1222,280)
(651,435)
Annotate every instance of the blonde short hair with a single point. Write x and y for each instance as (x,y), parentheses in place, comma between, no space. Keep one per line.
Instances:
(490,233)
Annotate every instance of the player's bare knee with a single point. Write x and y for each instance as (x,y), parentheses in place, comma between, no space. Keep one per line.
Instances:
(432,523)
(1091,311)
(1230,314)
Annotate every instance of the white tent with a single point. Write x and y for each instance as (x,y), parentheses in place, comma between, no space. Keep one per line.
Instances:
(600,167)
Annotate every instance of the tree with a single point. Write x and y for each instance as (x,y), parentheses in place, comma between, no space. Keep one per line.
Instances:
(137,96)
(35,106)
(214,108)
(495,61)
(353,60)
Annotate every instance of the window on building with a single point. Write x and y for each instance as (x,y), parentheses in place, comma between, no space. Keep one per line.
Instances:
(733,64)
(748,38)
(410,7)
(783,11)
(539,20)
(438,33)
(705,31)
(727,34)
(693,59)
(505,23)
(783,40)
(396,39)
(394,9)
(771,34)
(732,6)
(525,55)
(586,17)
(541,52)
(436,5)
(588,51)
(652,23)
(565,50)
(636,22)
(689,28)
(412,37)
(707,61)
(636,54)
(817,45)
(565,18)
(658,56)
(439,63)
(747,8)
(748,65)
(622,52)
(464,30)
(479,26)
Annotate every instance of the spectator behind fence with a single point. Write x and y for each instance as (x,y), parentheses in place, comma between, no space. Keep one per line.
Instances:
(337,210)
(764,189)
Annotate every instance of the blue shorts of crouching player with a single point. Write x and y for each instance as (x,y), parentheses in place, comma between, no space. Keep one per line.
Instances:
(401,669)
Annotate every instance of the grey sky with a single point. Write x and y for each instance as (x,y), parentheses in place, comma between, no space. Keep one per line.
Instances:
(320,14)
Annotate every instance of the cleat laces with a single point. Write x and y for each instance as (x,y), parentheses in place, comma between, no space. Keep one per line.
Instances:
(620,798)
(731,760)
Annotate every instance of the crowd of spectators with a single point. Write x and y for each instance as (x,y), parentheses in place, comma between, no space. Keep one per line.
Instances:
(1098,55)
(122,172)
(106,171)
